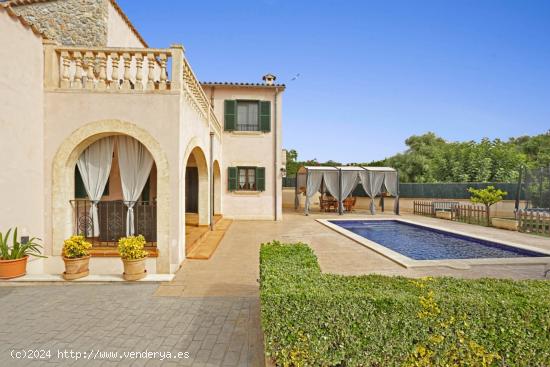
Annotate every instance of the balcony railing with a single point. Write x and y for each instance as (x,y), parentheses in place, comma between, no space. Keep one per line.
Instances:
(112,221)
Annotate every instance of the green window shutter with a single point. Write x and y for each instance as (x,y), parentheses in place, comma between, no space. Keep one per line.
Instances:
(232,178)
(260,178)
(230,115)
(79,189)
(145,194)
(265,116)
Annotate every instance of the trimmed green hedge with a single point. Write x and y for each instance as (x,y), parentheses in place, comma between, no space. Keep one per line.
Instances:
(315,319)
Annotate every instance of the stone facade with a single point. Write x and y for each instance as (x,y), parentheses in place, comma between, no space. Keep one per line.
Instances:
(69,22)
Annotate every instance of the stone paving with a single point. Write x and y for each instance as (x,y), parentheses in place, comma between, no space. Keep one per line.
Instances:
(210,310)
(88,319)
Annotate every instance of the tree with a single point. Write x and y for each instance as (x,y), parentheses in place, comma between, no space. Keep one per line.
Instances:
(488,197)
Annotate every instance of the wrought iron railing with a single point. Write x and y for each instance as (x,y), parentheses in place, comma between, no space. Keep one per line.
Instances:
(112,221)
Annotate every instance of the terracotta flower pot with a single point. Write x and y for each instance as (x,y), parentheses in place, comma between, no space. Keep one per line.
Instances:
(13,268)
(134,269)
(76,267)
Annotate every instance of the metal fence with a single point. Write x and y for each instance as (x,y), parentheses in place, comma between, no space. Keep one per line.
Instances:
(441,190)
(453,190)
(112,221)
(289,181)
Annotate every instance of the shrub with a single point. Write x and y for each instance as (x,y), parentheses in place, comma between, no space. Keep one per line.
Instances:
(75,247)
(315,319)
(131,248)
(18,250)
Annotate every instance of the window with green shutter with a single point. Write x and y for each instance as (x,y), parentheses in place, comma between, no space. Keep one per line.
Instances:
(230,115)
(247,115)
(232,178)
(246,179)
(260,178)
(265,116)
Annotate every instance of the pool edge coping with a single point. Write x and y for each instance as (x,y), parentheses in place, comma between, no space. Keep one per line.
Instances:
(460,264)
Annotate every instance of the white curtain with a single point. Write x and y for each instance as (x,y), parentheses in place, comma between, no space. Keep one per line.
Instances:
(331,182)
(390,181)
(135,164)
(372,183)
(94,165)
(349,182)
(313,185)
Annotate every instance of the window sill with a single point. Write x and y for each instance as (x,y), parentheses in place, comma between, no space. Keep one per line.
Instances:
(247,192)
(247,133)
(113,252)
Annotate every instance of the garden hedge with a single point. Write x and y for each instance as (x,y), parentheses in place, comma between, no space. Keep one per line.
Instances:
(315,319)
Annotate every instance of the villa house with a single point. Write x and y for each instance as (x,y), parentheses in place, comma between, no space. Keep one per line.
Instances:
(104,136)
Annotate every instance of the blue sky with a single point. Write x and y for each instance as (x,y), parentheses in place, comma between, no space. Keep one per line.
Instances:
(372,72)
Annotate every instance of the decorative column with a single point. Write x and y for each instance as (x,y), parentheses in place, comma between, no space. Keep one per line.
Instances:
(151,73)
(65,72)
(102,78)
(139,71)
(163,76)
(127,60)
(115,77)
(77,82)
(89,64)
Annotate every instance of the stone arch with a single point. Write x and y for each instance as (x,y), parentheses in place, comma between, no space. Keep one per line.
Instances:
(63,185)
(196,158)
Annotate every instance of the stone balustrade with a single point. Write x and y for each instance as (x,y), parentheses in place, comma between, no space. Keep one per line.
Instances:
(113,69)
(126,70)
(194,89)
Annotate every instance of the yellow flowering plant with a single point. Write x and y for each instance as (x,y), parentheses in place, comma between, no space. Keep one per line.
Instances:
(75,247)
(131,247)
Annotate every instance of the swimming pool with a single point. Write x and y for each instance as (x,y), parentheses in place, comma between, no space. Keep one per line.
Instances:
(419,242)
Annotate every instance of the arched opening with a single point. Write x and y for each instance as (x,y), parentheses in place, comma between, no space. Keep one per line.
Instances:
(115,192)
(63,190)
(217,189)
(196,189)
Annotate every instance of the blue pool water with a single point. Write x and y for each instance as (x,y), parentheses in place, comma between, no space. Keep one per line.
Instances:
(424,243)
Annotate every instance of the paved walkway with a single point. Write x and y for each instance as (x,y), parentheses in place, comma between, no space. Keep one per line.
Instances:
(115,318)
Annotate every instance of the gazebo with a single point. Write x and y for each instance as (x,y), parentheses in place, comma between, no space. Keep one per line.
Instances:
(341,181)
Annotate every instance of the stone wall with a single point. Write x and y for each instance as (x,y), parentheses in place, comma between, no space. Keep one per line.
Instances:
(69,22)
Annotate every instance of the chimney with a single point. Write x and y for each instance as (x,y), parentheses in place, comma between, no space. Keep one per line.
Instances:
(269,79)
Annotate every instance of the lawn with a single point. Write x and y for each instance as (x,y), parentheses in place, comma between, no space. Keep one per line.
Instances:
(315,319)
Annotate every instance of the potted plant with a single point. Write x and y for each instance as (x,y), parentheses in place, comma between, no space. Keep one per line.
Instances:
(13,259)
(76,255)
(133,257)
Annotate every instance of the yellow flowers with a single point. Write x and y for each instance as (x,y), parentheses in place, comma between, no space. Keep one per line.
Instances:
(446,341)
(75,247)
(131,248)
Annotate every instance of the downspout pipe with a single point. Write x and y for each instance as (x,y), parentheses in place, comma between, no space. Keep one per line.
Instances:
(211,180)
(275,156)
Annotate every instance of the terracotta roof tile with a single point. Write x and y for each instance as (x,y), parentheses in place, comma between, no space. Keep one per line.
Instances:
(237,84)
(113,2)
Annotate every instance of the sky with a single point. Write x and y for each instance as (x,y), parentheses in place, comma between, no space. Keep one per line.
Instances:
(372,73)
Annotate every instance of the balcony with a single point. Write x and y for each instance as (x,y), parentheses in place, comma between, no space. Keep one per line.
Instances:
(126,70)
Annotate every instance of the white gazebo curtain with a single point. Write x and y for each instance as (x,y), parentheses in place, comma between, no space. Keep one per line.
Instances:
(94,165)
(350,179)
(135,164)
(372,184)
(313,184)
(391,182)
